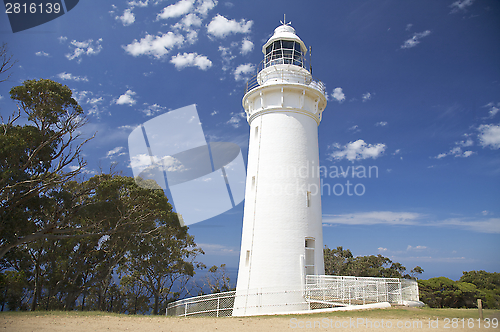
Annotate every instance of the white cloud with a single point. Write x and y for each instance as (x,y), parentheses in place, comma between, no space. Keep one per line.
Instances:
(218,249)
(373,218)
(456,152)
(69,76)
(338,95)
(172,164)
(408,26)
(493,109)
(138,3)
(460,5)
(42,53)
(188,21)
(416,248)
(178,9)
(382,249)
(115,151)
(244,71)
(227,56)
(246,46)
(221,27)
(205,6)
(367,96)
(489,135)
(357,150)
(381,124)
(191,60)
(214,113)
(415,40)
(87,47)
(152,109)
(62,39)
(127,18)
(236,119)
(157,46)
(491,225)
(354,129)
(126,98)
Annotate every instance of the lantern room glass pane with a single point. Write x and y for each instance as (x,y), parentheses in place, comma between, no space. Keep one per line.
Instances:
(284,52)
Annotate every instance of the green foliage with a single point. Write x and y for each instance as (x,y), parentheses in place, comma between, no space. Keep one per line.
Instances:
(445,293)
(34,160)
(488,285)
(442,292)
(341,262)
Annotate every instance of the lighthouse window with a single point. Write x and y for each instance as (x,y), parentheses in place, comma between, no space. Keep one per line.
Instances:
(284,52)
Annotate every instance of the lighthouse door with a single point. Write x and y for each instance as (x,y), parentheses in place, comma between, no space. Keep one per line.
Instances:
(309,254)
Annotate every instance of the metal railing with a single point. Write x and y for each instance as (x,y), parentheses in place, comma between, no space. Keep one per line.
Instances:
(320,291)
(344,291)
(212,305)
(282,74)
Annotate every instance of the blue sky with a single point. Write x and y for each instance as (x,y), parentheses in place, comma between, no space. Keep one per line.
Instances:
(413,92)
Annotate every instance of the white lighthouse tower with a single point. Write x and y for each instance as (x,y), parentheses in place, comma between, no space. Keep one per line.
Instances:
(282,239)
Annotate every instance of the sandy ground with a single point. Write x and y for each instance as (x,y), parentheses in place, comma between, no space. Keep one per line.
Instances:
(55,323)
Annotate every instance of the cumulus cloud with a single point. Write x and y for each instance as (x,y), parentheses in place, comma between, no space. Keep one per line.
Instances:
(157,46)
(127,18)
(338,95)
(87,47)
(178,9)
(246,46)
(381,124)
(42,53)
(188,22)
(191,60)
(69,76)
(357,150)
(127,98)
(460,5)
(204,6)
(415,40)
(489,135)
(244,71)
(221,27)
(367,96)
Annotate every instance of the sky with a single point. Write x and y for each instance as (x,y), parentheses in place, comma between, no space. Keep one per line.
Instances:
(413,93)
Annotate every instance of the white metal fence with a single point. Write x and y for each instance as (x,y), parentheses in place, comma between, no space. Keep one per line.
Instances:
(343,291)
(320,291)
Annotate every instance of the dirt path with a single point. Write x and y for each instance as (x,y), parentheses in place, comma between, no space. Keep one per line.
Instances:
(56,323)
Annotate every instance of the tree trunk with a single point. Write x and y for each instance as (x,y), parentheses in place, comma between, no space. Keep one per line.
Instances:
(36,290)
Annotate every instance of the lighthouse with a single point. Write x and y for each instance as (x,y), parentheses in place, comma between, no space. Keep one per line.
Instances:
(282,239)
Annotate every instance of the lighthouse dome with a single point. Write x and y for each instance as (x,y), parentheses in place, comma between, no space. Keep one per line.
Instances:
(284,47)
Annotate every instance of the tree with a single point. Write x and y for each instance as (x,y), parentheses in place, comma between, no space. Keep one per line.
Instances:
(442,292)
(162,263)
(6,61)
(34,158)
(217,279)
(342,263)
